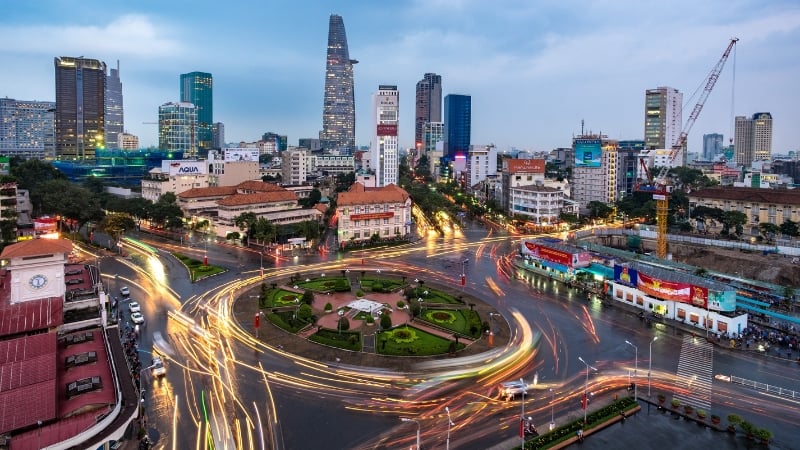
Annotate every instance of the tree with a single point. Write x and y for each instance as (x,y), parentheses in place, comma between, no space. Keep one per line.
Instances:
(733,220)
(264,230)
(116,224)
(386,321)
(313,198)
(59,196)
(790,228)
(166,213)
(599,210)
(768,230)
(308,297)
(245,220)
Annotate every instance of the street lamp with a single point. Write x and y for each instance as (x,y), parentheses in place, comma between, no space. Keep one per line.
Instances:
(552,411)
(586,389)
(635,372)
(406,419)
(449,424)
(650,368)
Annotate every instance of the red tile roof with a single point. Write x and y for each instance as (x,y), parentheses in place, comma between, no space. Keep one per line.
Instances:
(258,186)
(359,195)
(258,198)
(215,191)
(36,247)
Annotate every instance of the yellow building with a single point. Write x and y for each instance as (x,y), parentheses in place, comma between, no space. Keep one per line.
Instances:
(774,206)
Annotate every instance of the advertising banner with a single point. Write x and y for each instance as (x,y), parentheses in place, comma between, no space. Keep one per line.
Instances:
(370,216)
(587,153)
(581,259)
(524,165)
(626,275)
(4,165)
(241,154)
(699,296)
(387,130)
(176,168)
(548,254)
(668,290)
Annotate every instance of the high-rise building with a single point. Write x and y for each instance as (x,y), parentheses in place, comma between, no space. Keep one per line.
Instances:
(114,115)
(218,135)
(628,154)
(594,173)
(312,144)
(712,146)
(457,124)
(662,117)
(281,140)
(197,89)
(26,128)
(384,150)
(127,141)
(80,107)
(752,139)
(338,109)
(429,105)
(177,123)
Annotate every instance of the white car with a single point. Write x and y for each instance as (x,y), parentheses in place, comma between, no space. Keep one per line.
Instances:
(134,307)
(125,291)
(137,318)
(158,369)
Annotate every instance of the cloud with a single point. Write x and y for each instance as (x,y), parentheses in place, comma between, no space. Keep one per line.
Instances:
(128,35)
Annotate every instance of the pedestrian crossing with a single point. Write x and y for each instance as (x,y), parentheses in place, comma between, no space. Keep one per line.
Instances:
(695,373)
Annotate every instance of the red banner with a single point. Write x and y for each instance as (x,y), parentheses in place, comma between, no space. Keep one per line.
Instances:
(669,290)
(387,130)
(382,215)
(549,254)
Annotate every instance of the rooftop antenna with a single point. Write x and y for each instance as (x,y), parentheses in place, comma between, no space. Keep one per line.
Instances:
(581,127)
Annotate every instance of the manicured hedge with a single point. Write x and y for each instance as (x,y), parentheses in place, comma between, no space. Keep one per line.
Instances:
(348,340)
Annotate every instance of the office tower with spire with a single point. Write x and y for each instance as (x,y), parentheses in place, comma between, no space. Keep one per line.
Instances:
(197,89)
(663,118)
(384,149)
(429,105)
(338,109)
(114,117)
(80,107)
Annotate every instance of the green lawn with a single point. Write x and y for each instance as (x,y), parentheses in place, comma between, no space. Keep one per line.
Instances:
(348,340)
(285,320)
(196,268)
(324,284)
(462,321)
(410,341)
(279,297)
(434,296)
(380,284)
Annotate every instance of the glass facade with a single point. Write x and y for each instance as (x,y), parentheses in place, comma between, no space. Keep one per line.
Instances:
(114,120)
(176,128)
(80,107)
(457,124)
(197,89)
(429,104)
(338,110)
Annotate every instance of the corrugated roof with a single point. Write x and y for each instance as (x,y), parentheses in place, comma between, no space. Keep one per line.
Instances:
(29,315)
(258,186)
(36,247)
(753,195)
(27,381)
(257,198)
(359,195)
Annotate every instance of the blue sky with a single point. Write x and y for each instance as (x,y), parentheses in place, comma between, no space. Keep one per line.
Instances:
(534,68)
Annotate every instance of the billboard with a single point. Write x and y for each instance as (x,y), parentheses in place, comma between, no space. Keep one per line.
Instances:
(4,165)
(241,154)
(668,290)
(546,253)
(386,130)
(177,168)
(587,152)
(525,165)
(626,275)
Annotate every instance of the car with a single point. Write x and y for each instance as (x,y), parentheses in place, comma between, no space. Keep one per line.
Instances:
(134,307)
(510,389)
(157,368)
(137,318)
(125,291)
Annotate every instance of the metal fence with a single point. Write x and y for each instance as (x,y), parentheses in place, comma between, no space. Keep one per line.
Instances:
(788,393)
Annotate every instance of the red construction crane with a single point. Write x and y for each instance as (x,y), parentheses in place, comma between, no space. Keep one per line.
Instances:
(659,186)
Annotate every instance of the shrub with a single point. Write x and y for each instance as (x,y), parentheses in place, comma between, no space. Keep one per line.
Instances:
(401,304)
(370,320)
(328,307)
(763,434)
(734,419)
(308,297)
(359,293)
(304,312)
(676,403)
(747,427)
(386,321)
(344,323)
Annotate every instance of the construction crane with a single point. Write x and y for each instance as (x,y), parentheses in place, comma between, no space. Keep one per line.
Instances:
(659,186)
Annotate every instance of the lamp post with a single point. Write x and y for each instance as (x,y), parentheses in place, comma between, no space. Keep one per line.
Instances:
(522,415)
(552,411)
(586,389)
(449,424)
(635,372)
(650,368)
(406,419)
(261,264)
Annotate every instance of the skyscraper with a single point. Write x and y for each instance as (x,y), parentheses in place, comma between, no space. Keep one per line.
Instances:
(752,139)
(429,104)
(218,135)
(338,109)
(663,118)
(197,88)
(712,146)
(114,119)
(383,155)
(80,107)
(177,123)
(457,124)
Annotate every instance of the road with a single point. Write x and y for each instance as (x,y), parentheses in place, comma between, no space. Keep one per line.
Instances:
(249,395)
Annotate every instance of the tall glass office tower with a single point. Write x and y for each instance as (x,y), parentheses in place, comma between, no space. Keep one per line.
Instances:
(338,109)
(457,124)
(429,104)
(115,119)
(80,107)
(197,89)
(177,123)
